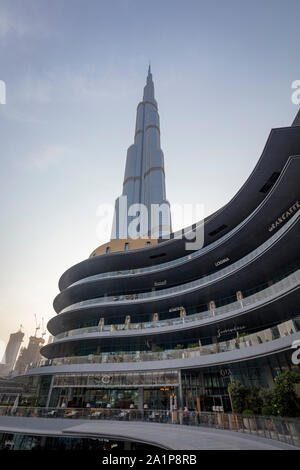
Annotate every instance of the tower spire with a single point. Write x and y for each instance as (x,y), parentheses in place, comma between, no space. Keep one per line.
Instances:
(149,88)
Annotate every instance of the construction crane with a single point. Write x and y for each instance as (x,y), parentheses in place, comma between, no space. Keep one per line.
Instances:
(44,331)
(37,327)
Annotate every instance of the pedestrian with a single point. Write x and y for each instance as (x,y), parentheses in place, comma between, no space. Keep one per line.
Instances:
(185,415)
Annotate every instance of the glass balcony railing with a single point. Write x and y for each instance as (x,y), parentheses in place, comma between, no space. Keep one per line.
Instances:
(278,288)
(189,286)
(287,328)
(285,430)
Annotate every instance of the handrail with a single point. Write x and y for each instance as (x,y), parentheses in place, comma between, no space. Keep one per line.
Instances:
(290,281)
(281,330)
(277,428)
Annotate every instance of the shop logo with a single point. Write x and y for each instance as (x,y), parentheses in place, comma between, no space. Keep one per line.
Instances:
(221,261)
(236,329)
(292,210)
(296,353)
(225,373)
(102,379)
(106,379)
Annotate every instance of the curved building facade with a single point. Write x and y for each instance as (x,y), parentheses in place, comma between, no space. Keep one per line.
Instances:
(150,324)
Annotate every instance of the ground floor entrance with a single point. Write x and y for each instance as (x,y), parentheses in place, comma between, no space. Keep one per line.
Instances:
(158,399)
(219,403)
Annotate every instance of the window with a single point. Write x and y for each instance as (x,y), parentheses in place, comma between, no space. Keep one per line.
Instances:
(107,250)
(148,243)
(271,181)
(126,246)
(217,230)
(157,256)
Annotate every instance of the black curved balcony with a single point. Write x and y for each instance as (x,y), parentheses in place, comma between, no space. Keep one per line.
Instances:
(259,264)
(229,248)
(267,341)
(281,144)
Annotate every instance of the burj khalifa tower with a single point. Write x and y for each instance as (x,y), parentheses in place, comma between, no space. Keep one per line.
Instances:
(144,188)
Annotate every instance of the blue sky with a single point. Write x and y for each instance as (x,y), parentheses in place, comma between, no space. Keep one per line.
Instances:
(75,70)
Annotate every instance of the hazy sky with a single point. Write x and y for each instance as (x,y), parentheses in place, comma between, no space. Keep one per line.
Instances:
(75,70)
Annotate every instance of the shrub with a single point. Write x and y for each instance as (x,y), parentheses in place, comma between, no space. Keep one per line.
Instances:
(253,400)
(248,412)
(266,396)
(267,410)
(237,393)
(285,401)
(248,398)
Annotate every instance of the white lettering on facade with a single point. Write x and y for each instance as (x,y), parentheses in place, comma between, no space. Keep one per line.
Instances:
(292,210)
(221,261)
(230,330)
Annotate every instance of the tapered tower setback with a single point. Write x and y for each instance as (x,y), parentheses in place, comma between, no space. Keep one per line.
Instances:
(144,189)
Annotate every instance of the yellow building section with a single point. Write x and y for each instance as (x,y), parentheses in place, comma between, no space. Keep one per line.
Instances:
(123,244)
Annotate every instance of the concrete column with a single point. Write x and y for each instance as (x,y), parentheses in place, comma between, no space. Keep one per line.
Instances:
(50,391)
(180,394)
(70,390)
(141,398)
(215,344)
(268,374)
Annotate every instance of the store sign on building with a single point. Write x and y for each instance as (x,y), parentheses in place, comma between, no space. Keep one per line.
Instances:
(102,379)
(221,261)
(291,211)
(225,372)
(235,329)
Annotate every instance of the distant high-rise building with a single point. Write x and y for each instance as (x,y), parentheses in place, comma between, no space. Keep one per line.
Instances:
(144,180)
(30,354)
(11,352)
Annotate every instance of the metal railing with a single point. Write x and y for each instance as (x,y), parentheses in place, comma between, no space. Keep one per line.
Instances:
(287,328)
(286,430)
(189,286)
(285,284)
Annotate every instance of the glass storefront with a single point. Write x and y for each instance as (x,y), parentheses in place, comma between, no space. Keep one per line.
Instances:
(204,389)
(81,397)
(120,398)
(207,389)
(158,399)
(115,390)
